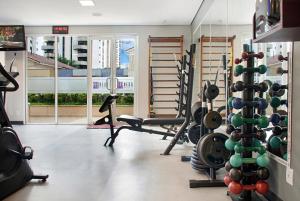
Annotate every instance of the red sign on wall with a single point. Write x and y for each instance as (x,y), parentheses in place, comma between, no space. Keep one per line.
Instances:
(60,29)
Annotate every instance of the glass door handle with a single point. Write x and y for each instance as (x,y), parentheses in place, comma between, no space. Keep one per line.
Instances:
(108,83)
(117,82)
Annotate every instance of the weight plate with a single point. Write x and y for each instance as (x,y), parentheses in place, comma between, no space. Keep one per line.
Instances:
(196,111)
(211,150)
(198,166)
(211,92)
(195,131)
(212,120)
(197,162)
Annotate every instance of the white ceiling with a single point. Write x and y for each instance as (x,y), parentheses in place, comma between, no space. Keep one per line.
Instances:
(114,12)
(239,12)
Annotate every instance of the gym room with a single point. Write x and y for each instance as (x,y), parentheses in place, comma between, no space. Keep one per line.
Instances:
(173,100)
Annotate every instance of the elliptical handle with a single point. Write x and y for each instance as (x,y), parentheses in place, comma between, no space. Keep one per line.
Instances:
(10,79)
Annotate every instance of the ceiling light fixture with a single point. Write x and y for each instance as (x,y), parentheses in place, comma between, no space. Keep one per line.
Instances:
(87,3)
(97,14)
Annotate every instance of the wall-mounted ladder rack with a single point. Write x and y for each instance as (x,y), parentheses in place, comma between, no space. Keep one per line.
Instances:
(164,53)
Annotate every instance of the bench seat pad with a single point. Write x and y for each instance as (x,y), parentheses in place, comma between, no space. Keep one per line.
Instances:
(131,120)
(163,121)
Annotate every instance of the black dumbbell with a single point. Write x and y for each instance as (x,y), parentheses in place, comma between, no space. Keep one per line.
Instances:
(278,93)
(240,86)
(280,71)
(230,128)
(282,58)
(276,87)
(277,130)
(236,134)
(261,135)
(236,174)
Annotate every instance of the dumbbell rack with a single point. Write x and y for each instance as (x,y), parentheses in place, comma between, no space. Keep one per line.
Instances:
(248,135)
(276,143)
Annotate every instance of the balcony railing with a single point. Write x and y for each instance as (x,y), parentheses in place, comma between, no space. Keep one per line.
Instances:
(77,47)
(79,85)
(47,47)
(81,62)
(81,55)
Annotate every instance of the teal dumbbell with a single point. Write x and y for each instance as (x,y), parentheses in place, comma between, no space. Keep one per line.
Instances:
(239,69)
(259,149)
(237,120)
(276,102)
(236,160)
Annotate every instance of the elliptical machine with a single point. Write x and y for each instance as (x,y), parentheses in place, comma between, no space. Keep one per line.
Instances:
(15,171)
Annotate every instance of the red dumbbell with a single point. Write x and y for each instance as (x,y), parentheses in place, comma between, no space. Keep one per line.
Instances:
(282,58)
(246,55)
(261,187)
(227,179)
(238,61)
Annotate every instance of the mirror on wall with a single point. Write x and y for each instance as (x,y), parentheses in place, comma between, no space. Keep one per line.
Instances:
(222,34)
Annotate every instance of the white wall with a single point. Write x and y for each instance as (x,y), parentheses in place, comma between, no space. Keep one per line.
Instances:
(15,101)
(141,72)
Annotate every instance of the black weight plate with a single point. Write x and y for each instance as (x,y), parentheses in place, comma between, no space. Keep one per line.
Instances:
(198,166)
(9,141)
(195,131)
(197,162)
(196,111)
(211,92)
(194,153)
(211,150)
(212,120)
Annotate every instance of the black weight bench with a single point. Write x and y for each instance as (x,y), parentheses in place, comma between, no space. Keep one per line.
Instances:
(133,123)
(136,123)
(106,106)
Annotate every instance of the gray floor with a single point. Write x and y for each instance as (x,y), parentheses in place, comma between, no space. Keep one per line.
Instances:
(82,169)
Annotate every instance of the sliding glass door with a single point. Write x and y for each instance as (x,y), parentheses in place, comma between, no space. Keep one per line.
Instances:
(60,68)
(41,79)
(72,63)
(113,61)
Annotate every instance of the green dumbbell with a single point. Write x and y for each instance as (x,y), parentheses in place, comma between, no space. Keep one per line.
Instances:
(276,102)
(276,141)
(237,120)
(230,144)
(239,69)
(285,156)
(259,149)
(236,160)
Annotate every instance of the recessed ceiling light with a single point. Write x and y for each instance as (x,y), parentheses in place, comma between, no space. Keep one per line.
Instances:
(87,2)
(97,14)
